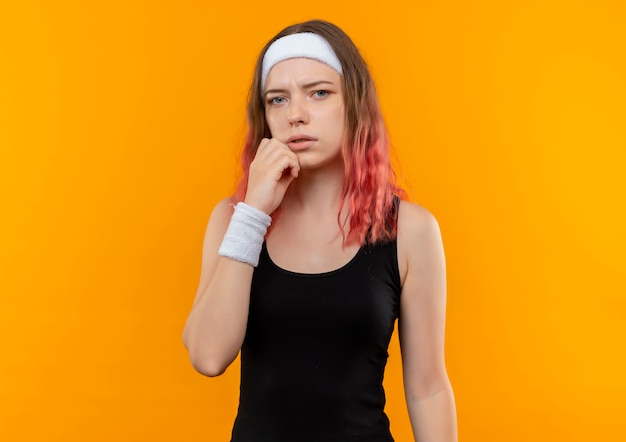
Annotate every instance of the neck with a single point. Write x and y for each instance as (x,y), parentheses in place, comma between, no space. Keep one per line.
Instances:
(317,190)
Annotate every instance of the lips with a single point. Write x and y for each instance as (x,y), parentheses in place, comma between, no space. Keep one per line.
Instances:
(300,141)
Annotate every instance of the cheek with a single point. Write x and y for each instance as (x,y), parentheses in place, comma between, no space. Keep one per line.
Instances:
(340,122)
(271,122)
(335,119)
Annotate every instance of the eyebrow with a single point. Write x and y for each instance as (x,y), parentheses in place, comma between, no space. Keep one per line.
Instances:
(304,86)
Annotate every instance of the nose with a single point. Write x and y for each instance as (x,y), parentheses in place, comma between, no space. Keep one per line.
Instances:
(297,113)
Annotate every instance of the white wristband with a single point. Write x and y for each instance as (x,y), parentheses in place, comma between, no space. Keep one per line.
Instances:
(244,237)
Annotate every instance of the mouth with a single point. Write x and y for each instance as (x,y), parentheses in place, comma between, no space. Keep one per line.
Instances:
(300,139)
(298,142)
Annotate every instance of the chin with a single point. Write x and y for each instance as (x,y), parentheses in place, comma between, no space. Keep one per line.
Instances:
(320,164)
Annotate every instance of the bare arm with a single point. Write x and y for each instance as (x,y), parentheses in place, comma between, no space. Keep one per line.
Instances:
(216,326)
(429,395)
(217,322)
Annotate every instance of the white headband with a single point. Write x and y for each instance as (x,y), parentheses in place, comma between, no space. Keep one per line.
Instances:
(305,45)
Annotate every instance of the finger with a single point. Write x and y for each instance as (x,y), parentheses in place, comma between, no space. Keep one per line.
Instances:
(284,166)
(295,167)
(274,151)
(293,164)
(261,147)
(282,151)
(283,148)
(276,158)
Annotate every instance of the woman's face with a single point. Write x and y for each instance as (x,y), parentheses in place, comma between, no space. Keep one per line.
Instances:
(304,109)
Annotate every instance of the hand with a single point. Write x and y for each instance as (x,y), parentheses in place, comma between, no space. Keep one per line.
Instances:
(271,172)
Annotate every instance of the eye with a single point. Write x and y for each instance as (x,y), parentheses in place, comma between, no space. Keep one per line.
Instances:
(320,94)
(275,100)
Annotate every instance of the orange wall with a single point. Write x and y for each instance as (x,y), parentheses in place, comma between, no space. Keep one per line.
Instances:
(119,125)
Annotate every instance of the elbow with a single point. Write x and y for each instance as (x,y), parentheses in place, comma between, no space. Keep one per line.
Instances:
(206,359)
(206,364)
(209,368)
(427,391)
(423,387)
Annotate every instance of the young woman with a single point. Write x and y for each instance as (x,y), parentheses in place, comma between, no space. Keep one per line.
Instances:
(307,267)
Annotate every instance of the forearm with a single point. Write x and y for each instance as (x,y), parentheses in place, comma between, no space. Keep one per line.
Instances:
(433,416)
(216,326)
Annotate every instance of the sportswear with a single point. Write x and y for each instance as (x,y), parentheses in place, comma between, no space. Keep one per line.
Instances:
(315,350)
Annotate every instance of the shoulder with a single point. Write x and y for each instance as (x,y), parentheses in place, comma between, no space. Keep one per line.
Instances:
(215,230)
(219,220)
(416,224)
(222,211)
(419,238)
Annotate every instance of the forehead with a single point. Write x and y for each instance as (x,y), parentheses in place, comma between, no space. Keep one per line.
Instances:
(303,70)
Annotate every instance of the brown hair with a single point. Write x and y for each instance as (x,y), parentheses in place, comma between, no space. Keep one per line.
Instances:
(369,180)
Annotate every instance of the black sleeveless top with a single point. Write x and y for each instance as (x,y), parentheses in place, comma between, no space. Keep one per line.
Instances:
(315,351)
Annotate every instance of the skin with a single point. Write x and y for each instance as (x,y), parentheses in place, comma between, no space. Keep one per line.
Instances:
(304,96)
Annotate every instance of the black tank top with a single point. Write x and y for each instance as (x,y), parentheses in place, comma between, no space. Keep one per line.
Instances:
(315,351)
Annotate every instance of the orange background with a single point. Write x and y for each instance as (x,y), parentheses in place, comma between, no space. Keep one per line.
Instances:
(119,128)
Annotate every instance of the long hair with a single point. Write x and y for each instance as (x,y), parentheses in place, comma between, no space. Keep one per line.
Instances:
(369,186)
